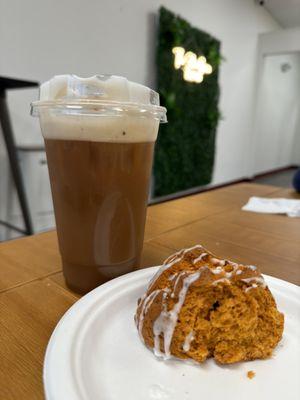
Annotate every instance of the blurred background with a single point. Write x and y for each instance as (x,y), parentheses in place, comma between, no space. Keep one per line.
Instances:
(244,121)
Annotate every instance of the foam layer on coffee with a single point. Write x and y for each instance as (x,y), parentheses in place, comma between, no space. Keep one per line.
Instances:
(124,126)
(102,87)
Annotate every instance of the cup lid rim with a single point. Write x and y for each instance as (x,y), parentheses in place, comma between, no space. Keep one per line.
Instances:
(100,107)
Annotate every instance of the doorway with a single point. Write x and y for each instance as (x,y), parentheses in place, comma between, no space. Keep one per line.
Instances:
(277,141)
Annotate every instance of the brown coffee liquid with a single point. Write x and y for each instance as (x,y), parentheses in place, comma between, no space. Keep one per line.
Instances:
(100,193)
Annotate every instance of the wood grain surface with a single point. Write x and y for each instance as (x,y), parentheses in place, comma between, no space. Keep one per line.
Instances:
(33,294)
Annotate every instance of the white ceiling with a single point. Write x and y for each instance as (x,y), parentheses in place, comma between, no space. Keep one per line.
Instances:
(286,12)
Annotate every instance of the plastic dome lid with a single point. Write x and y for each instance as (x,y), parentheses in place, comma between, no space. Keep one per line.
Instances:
(98,95)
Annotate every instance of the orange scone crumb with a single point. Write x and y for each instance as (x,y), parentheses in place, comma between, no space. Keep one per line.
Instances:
(250,374)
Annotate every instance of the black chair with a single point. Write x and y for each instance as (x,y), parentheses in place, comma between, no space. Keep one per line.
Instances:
(12,152)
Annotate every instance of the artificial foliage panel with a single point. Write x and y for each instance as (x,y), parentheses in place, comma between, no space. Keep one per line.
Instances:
(185,150)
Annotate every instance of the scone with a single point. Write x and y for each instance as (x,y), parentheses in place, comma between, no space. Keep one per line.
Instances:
(199,306)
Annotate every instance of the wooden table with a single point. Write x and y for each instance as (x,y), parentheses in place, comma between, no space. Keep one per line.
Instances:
(33,296)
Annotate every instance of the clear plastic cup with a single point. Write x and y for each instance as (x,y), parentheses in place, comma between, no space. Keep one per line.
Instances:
(99,137)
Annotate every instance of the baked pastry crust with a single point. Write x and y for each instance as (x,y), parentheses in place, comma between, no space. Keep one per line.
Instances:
(199,306)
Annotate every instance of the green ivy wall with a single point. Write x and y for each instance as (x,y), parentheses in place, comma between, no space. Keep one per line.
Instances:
(185,149)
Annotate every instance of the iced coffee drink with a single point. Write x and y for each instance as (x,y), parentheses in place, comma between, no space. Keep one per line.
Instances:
(99,135)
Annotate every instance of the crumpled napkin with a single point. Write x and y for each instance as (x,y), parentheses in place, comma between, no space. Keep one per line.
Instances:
(289,207)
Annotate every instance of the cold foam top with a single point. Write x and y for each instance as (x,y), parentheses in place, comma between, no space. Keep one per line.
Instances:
(100,108)
(98,87)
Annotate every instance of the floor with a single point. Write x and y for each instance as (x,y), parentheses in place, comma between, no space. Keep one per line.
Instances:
(281,178)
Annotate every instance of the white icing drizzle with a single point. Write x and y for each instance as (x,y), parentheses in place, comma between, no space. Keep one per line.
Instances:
(220,267)
(177,280)
(232,263)
(221,280)
(181,253)
(145,307)
(162,269)
(158,328)
(216,270)
(239,272)
(235,267)
(199,258)
(175,258)
(197,246)
(253,286)
(187,341)
(258,279)
(143,297)
(217,261)
(171,278)
(166,321)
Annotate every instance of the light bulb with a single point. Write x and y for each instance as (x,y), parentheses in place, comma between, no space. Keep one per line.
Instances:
(179,57)
(193,68)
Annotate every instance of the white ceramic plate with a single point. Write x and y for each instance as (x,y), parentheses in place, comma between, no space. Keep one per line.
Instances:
(95,354)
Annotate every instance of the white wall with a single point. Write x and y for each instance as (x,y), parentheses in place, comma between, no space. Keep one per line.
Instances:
(278,117)
(296,146)
(40,38)
(280,42)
